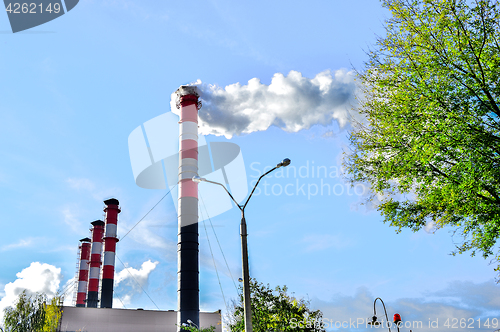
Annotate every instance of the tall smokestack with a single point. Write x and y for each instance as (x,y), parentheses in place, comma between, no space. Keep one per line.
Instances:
(95,263)
(188,299)
(83,274)
(108,270)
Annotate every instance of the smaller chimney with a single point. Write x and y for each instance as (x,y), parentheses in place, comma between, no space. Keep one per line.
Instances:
(83,274)
(95,263)
(108,271)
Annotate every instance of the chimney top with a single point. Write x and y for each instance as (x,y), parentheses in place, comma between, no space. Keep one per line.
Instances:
(185,90)
(112,201)
(98,223)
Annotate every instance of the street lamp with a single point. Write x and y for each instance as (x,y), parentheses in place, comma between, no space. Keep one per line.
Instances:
(374,318)
(397,317)
(190,323)
(244,248)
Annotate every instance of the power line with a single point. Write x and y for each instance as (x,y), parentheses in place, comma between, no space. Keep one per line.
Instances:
(137,282)
(123,304)
(147,213)
(213,259)
(222,252)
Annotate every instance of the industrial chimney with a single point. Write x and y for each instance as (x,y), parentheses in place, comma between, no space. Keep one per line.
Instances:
(108,270)
(95,263)
(188,299)
(83,274)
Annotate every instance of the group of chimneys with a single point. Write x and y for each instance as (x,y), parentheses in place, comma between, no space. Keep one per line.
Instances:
(91,261)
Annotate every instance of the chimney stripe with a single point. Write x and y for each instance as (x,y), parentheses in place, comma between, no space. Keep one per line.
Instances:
(95,264)
(83,273)
(188,297)
(108,275)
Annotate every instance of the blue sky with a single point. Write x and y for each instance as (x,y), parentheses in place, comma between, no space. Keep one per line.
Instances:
(72,91)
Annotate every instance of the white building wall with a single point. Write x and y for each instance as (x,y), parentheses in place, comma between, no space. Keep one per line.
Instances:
(127,320)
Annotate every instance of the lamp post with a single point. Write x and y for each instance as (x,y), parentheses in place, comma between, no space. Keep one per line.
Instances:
(244,248)
(396,320)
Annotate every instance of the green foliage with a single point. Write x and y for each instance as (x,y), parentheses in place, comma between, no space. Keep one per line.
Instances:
(31,314)
(195,329)
(27,315)
(53,315)
(430,145)
(275,310)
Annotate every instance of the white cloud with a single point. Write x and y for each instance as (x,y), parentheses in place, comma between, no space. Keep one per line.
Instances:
(146,237)
(38,277)
(291,103)
(22,243)
(70,219)
(132,277)
(461,300)
(121,302)
(429,227)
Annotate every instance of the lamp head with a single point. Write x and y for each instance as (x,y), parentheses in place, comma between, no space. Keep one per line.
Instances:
(397,318)
(198,179)
(190,321)
(285,162)
(185,324)
(374,321)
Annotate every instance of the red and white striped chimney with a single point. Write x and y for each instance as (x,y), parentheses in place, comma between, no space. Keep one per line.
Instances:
(83,274)
(95,264)
(188,297)
(108,270)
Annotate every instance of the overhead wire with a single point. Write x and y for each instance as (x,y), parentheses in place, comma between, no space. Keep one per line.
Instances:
(213,259)
(73,284)
(69,287)
(222,252)
(119,299)
(147,213)
(126,268)
(161,199)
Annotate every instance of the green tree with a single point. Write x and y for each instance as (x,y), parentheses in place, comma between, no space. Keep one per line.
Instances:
(430,142)
(32,314)
(187,327)
(53,314)
(275,310)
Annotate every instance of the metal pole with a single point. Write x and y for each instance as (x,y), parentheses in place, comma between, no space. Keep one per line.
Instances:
(246,275)
(244,247)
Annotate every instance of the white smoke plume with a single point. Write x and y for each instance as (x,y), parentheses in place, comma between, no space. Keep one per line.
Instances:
(38,277)
(290,102)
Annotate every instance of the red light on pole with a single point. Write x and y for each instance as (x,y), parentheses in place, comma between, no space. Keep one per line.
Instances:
(397,318)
